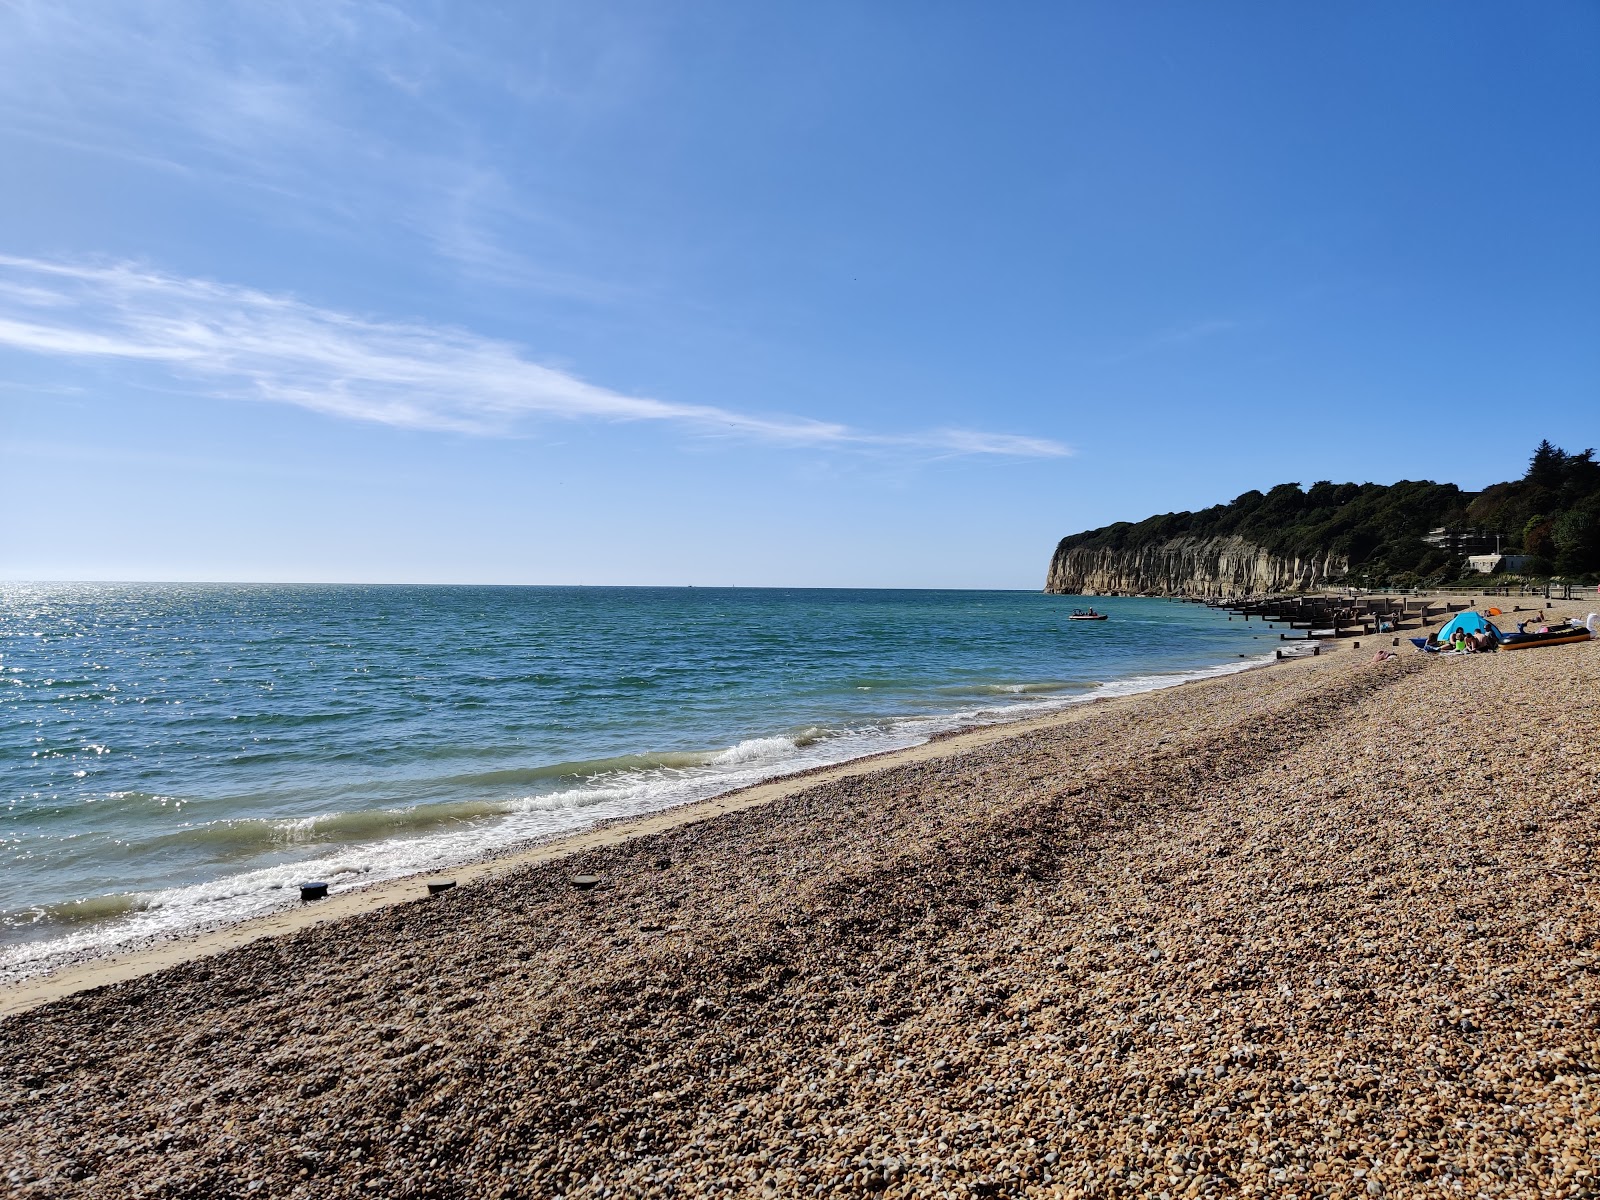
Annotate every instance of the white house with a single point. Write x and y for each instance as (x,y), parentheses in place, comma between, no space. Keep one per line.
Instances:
(1488,564)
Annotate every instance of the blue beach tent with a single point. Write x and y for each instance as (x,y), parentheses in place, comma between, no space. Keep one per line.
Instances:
(1468,622)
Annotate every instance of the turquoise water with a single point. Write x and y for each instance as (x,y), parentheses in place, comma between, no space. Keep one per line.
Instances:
(176,755)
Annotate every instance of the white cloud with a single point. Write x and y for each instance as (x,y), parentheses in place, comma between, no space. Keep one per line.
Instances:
(236,342)
(330,115)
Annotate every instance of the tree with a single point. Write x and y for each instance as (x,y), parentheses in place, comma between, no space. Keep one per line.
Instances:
(1547,467)
(1322,494)
(1551,514)
(1576,534)
(1581,475)
(1536,537)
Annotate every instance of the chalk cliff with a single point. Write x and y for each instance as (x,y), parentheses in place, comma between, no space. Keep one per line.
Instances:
(1187,566)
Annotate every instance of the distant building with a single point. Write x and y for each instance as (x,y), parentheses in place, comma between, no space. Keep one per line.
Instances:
(1488,564)
(1459,541)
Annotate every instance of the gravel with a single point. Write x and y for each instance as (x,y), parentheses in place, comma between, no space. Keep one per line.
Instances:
(1327,928)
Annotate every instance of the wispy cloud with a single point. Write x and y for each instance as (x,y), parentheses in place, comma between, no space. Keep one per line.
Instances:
(1173,338)
(339,117)
(236,342)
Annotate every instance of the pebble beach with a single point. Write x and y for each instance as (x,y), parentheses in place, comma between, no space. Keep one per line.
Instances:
(1326,928)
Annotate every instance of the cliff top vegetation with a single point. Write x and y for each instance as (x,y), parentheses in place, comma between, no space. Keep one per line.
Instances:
(1552,514)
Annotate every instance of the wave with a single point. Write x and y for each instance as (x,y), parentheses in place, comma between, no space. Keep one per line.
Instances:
(585,768)
(623,775)
(1027,689)
(89,910)
(240,837)
(755,750)
(536,803)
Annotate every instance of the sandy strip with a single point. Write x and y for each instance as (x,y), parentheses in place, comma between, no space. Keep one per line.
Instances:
(1328,928)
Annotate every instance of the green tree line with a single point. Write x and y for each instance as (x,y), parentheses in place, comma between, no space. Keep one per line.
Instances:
(1552,514)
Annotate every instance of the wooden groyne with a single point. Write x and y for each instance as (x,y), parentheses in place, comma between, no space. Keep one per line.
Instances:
(1340,616)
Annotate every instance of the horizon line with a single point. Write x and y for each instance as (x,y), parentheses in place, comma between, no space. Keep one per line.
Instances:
(752,587)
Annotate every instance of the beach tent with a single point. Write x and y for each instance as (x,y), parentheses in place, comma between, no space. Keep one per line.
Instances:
(1467,622)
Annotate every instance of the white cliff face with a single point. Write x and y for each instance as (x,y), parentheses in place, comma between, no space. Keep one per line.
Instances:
(1227,566)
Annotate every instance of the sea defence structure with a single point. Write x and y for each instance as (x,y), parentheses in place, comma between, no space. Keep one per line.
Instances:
(1328,616)
(1187,566)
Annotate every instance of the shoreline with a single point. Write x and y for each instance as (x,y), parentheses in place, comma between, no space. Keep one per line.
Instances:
(141,954)
(86,970)
(1292,931)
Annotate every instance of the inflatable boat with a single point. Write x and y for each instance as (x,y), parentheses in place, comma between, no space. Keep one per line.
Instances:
(1558,635)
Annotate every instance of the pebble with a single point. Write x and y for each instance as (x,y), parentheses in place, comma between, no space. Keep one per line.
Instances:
(1339,936)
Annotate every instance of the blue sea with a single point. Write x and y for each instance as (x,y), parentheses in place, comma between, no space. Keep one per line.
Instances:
(179,755)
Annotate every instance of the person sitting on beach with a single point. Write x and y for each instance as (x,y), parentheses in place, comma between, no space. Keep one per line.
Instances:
(1384,656)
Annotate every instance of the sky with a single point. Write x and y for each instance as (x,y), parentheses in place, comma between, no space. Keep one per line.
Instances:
(824,294)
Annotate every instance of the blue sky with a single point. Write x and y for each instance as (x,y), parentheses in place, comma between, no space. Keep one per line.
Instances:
(858,294)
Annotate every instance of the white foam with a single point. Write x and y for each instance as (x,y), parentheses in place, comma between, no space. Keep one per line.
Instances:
(755,750)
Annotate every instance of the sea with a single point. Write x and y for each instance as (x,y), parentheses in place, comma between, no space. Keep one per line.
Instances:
(178,756)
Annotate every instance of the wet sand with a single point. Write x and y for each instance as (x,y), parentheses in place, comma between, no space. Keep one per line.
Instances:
(1326,928)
